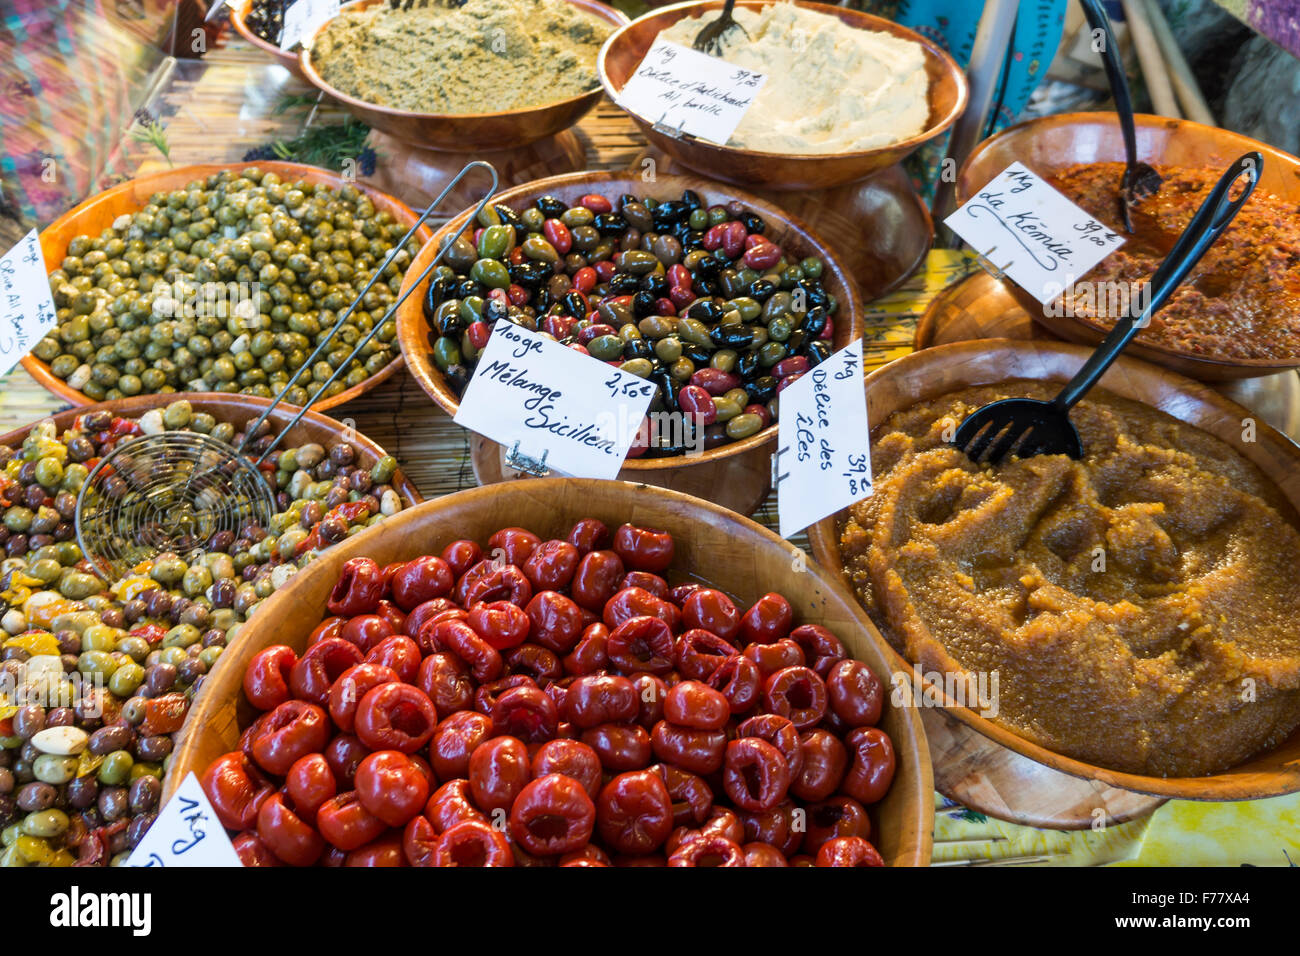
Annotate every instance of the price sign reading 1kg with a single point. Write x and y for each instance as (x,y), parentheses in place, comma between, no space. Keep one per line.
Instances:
(186,833)
(26,307)
(690,92)
(529,389)
(1031,232)
(823,456)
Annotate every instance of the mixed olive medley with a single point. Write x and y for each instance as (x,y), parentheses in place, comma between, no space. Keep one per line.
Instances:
(226,285)
(559,703)
(95,676)
(266,19)
(695,298)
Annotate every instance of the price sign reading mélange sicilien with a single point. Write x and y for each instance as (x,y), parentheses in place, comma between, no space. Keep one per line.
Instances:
(1031,232)
(26,307)
(186,833)
(549,398)
(823,458)
(690,92)
(304,18)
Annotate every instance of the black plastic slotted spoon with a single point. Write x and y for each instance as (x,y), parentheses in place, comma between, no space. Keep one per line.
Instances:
(1140,181)
(1033,427)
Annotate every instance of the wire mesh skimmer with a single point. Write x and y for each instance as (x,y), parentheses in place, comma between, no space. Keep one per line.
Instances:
(173,491)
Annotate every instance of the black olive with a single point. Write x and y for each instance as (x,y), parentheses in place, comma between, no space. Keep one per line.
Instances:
(667,389)
(575,305)
(637,348)
(468,287)
(643,304)
(761,389)
(623,283)
(655,284)
(696,353)
(663,447)
(494,309)
(795,341)
(747,365)
(530,273)
(817,350)
(670,212)
(434,296)
(705,310)
(761,289)
(542,301)
(731,336)
(753,224)
(550,207)
(457,377)
(692,200)
(815,321)
(708,267)
(626,198)
(707,286)
(814,294)
(610,224)
(452,323)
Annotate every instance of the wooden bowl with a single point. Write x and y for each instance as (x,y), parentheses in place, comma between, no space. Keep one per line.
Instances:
(466,132)
(412,329)
(1052,143)
(240,410)
(623,52)
(946,368)
(239,11)
(730,552)
(97,213)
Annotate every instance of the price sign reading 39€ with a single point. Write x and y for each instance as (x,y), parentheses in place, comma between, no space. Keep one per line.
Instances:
(26,307)
(186,833)
(1030,231)
(823,458)
(529,389)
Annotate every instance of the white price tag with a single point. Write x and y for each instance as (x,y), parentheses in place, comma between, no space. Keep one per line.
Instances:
(1031,232)
(186,833)
(823,458)
(304,18)
(690,92)
(549,398)
(26,306)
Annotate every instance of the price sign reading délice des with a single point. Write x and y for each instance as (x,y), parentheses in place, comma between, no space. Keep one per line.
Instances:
(1026,229)
(186,833)
(582,413)
(823,458)
(26,307)
(690,92)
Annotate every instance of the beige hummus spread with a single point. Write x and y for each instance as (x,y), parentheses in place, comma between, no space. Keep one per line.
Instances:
(830,88)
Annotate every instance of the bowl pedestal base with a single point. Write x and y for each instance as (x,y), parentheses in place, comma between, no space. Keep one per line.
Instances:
(878,227)
(419,174)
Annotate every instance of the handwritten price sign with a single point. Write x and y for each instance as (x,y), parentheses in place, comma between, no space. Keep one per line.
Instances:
(532,390)
(690,92)
(186,833)
(823,460)
(1031,232)
(26,308)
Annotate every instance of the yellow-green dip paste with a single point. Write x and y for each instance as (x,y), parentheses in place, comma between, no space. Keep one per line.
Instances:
(484,57)
(1139,606)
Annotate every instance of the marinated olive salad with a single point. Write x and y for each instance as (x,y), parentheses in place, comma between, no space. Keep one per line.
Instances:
(226,285)
(694,298)
(95,676)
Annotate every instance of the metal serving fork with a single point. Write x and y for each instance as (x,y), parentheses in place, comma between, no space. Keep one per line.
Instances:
(1033,427)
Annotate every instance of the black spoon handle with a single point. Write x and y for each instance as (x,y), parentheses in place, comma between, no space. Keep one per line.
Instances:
(1211,219)
(1097,19)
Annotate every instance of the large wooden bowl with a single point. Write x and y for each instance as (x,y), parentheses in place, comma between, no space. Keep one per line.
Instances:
(729,552)
(1052,143)
(946,368)
(624,51)
(97,213)
(241,410)
(786,230)
(238,19)
(463,132)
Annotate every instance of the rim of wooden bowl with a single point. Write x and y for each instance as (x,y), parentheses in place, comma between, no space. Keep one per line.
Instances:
(975,172)
(224,407)
(944,368)
(535,122)
(716,160)
(412,327)
(238,14)
(56,236)
(616,500)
